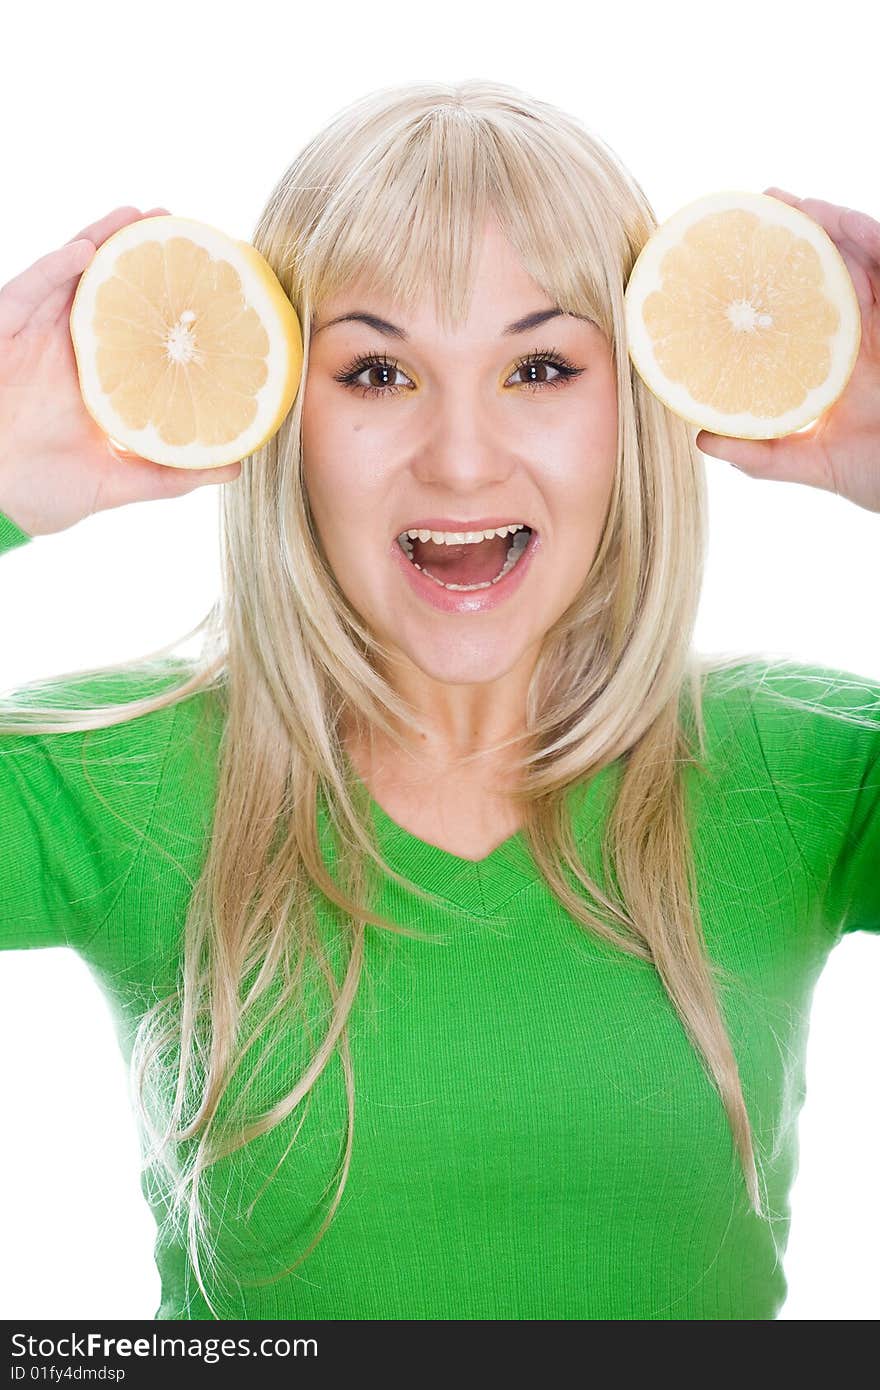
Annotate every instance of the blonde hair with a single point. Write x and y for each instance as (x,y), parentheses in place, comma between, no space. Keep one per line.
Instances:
(401,182)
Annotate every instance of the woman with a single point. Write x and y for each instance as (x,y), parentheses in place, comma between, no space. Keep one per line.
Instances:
(542,1038)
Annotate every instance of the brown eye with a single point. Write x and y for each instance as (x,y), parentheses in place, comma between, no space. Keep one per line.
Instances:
(537,364)
(381,369)
(537,373)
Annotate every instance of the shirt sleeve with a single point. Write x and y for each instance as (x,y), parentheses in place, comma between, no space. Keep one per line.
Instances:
(819,730)
(73,806)
(11,535)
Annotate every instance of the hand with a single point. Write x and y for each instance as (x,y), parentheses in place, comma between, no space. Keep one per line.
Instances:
(840,452)
(56,465)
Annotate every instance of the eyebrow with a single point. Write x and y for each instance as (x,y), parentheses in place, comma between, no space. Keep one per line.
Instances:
(523,325)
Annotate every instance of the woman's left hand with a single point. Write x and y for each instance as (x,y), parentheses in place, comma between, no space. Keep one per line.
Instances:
(840,452)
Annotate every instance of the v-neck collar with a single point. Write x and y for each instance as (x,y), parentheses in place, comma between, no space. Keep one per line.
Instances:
(480,886)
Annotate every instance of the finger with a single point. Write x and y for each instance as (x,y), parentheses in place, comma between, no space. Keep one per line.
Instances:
(864,234)
(105,226)
(57,305)
(188,479)
(865,278)
(863,229)
(837,221)
(21,297)
(857,238)
(138,479)
(854,233)
(826,215)
(792,458)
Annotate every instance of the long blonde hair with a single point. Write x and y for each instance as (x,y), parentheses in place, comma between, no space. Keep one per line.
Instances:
(401,182)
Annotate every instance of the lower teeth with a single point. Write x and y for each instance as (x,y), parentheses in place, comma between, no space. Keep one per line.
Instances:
(518,545)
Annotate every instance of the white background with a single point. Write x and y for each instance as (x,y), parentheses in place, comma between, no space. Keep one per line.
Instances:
(200,109)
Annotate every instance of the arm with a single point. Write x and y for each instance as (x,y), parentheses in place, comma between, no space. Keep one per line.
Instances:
(73,807)
(823,755)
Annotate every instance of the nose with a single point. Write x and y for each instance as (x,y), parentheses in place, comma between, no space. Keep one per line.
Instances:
(469,445)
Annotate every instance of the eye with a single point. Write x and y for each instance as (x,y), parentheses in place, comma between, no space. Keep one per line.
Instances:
(385,367)
(381,365)
(541,360)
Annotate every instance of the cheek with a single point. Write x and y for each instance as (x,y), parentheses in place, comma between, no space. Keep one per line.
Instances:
(580,466)
(597,452)
(316,433)
(328,461)
(583,490)
(343,489)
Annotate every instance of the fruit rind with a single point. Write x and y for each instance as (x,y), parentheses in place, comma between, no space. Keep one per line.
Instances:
(263,291)
(645,278)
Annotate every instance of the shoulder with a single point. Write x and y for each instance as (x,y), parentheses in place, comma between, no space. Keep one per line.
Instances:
(810,735)
(792,770)
(84,780)
(800,711)
(94,749)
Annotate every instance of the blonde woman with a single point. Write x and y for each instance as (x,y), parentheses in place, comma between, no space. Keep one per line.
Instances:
(461,936)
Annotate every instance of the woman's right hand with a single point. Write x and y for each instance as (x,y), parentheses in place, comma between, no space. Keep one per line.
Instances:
(56,464)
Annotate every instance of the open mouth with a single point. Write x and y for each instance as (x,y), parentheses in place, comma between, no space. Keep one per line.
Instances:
(463,561)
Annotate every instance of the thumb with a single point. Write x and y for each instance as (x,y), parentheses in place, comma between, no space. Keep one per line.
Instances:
(795,458)
(191,478)
(186,478)
(140,479)
(742,453)
(790,458)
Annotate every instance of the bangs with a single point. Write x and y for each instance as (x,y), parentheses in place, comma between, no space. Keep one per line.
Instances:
(408,221)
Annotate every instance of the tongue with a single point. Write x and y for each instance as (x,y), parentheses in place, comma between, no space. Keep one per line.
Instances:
(463,564)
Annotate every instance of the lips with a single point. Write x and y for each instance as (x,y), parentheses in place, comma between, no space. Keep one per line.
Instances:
(473,601)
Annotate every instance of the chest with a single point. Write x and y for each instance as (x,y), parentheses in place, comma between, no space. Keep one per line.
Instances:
(465,815)
(535,1136)
(463,821)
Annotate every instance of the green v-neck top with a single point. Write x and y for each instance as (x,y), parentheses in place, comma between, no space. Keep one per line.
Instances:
(534,1135)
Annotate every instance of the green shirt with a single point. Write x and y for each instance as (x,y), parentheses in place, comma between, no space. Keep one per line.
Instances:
(534,1135)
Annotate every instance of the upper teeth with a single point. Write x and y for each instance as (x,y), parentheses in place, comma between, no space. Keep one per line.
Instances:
(463,537)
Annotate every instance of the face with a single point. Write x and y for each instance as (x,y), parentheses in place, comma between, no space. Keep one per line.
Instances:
(458,432)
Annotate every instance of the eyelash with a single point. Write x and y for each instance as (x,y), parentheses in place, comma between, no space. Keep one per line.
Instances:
(348,375)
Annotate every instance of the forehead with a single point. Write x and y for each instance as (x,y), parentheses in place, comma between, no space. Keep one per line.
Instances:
(499,279)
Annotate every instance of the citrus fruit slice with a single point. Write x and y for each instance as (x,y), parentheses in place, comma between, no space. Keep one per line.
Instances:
(742,316)
(188,350)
